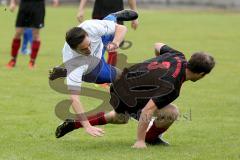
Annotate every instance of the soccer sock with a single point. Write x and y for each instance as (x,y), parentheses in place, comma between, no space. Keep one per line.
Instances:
(112,58)
(34,50)
(15,47)
(98,119)
(154,132)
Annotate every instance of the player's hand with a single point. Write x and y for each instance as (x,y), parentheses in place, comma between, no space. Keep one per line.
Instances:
(80,15)
(134,24)
(94,131)
(12,7)
(139,145)
(112,47)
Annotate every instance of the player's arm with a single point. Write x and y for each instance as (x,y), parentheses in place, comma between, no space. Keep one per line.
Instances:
(133,5)
(74,81)
(158,47)
(161,48)
(80,14)
(12,5)
(143,123)
(120,32)
(79,110)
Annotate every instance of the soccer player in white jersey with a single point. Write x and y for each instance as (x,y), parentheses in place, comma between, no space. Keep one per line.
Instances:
(83,57)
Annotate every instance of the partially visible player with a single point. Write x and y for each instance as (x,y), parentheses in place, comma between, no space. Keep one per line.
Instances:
(148,89)
(31,14)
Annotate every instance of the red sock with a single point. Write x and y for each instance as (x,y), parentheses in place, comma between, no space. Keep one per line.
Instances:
(34,49)
(154,132)
(15,47)
(112,58)
(97,119)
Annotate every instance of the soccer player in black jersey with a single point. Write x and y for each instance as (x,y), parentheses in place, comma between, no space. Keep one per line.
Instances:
(31,14)
(148,89)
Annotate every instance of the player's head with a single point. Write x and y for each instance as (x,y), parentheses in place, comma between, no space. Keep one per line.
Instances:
(199,65)
(77,38)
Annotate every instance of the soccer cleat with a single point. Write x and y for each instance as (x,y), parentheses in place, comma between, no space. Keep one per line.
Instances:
(159,141)
(57,72)
(31,65)
(64,128)
(126,15)
(11,64)
(25,52)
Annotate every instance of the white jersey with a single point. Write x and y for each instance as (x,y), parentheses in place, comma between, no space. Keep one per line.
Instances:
(78,64)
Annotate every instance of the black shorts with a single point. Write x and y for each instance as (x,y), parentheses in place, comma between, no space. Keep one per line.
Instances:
(102,8)
(31,14)
(122,108)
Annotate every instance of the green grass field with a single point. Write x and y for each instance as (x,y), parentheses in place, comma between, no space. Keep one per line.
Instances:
(28,121)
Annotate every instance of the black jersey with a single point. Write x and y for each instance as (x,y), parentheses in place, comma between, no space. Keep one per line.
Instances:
(159,79)
(104,7)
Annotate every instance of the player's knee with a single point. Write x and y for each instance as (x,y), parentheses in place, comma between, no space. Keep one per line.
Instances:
(18,34)
(36,34)
(173,112)
(122,119)
(169,113)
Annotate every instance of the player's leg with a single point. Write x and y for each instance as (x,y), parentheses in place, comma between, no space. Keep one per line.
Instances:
(30,35)
(100,118)
(103,118)
(27,37)
(117,118)
(165,118)
(35,46)
(108,73)
(25,42)
(16,43)
(37,22)
(103,73)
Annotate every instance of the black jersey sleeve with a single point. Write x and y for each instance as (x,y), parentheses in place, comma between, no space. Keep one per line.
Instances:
(167,49)
(172,51)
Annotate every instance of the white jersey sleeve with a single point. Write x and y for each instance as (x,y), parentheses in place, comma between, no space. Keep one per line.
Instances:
(74,77)
(98,27)
(75,70)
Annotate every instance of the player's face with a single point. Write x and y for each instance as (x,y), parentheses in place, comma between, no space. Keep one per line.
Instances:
(84,47)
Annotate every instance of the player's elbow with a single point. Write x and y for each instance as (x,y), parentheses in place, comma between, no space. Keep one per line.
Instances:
(158,46)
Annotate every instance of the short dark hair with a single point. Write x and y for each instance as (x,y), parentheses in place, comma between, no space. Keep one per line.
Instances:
(201,62)
(75,36)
